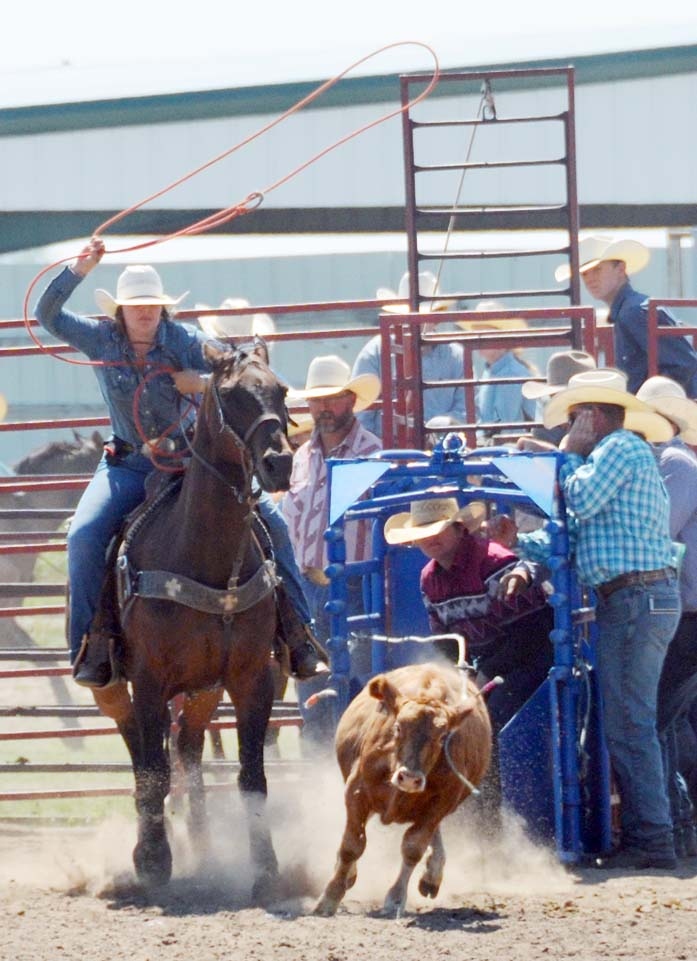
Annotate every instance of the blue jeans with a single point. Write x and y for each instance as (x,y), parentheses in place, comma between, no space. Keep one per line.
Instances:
(113,492)
(635,626)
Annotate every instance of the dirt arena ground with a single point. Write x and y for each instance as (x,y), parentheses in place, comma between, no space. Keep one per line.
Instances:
(70,893)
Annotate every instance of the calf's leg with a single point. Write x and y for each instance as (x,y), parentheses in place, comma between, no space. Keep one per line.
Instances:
(431,879)
(414,843)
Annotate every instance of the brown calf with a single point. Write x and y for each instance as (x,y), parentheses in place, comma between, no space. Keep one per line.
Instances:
(411,747)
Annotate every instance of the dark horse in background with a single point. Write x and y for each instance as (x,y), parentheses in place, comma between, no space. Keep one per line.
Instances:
(78,456)
(197,545)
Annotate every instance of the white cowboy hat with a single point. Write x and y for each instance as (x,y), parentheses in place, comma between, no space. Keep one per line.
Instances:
(560,368)
(669,399)
(138,286)
(593,250)
(425,518)
(607,386)
(428,287)
(330,375)
(235,325)
(493,322)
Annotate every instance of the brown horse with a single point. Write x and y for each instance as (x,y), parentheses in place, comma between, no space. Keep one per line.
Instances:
(198,611)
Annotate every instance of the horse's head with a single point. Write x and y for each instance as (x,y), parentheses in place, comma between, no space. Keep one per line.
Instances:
(249,402)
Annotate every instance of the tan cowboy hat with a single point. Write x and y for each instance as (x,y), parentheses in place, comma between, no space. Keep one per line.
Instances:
(138,286)
(302,422)
(330,375)
(425,518)
(237,325)
(607,386)
(560,368)
(428,287)
(669,399)
(493,322)
(3,407)
(593,250)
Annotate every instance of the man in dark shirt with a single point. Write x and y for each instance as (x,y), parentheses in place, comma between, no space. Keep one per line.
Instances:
(605,265)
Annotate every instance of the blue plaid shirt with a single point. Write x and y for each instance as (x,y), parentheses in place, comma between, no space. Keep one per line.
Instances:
(620,506)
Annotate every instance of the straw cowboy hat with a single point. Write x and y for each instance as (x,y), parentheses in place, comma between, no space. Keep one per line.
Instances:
(138,286)
(669,399)
(3,407)
(607,386)
(594,250)
(428,287)
(494,322)
(237,325)
(426,518)
(330,375)
(560,368)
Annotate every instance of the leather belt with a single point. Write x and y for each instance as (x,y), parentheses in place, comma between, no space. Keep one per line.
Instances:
(631,578)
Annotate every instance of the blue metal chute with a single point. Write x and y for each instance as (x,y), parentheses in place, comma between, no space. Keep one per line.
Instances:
(553,763)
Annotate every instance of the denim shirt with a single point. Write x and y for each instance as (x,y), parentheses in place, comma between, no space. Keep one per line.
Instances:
(504,403)
(177,345)
(441,361)
(676,358)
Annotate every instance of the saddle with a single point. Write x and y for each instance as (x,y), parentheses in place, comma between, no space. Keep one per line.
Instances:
(121,585)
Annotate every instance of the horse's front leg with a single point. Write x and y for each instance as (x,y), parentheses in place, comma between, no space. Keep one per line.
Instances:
(152,855)
(253,701)
(196,712)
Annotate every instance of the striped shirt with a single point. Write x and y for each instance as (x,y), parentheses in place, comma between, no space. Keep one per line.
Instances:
(306,504)
(621,509)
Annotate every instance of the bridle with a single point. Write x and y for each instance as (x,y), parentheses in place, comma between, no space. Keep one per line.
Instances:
(241,443)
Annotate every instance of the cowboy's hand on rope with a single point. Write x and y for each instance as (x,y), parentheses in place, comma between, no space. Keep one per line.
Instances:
(88,258)
(189,381)
(512,583)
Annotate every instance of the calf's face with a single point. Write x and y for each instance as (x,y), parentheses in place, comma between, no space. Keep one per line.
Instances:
(419,731)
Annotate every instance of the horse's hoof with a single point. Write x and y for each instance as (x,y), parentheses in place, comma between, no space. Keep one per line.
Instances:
(153,865)
(265,889)
(428,889)
(325,908)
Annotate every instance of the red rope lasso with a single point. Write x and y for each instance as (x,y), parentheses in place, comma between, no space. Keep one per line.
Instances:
(252,201)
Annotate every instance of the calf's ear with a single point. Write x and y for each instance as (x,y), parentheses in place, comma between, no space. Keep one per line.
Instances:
(462,711)
(384,691)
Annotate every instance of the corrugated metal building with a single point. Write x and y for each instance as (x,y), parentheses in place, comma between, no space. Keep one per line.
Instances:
(70,166)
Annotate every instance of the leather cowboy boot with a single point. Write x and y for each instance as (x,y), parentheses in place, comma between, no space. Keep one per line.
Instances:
(95,665)
(307,656)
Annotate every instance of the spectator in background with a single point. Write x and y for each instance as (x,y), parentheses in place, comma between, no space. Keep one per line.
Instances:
(560,367)
(605,266)
(237,328)
(334,397)
(677,688)
(501,403)
(440,360)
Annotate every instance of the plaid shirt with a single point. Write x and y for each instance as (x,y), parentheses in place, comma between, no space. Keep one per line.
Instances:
(621,509)
(306,506)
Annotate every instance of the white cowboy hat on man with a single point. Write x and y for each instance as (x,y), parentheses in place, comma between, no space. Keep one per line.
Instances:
(607,386)
(594,250)
(330,375)
(668,398)
(139,285)
(426,518)
(235,325)
(428,287)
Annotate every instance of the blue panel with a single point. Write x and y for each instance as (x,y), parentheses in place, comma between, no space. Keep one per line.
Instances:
(406,606)
(526,764)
